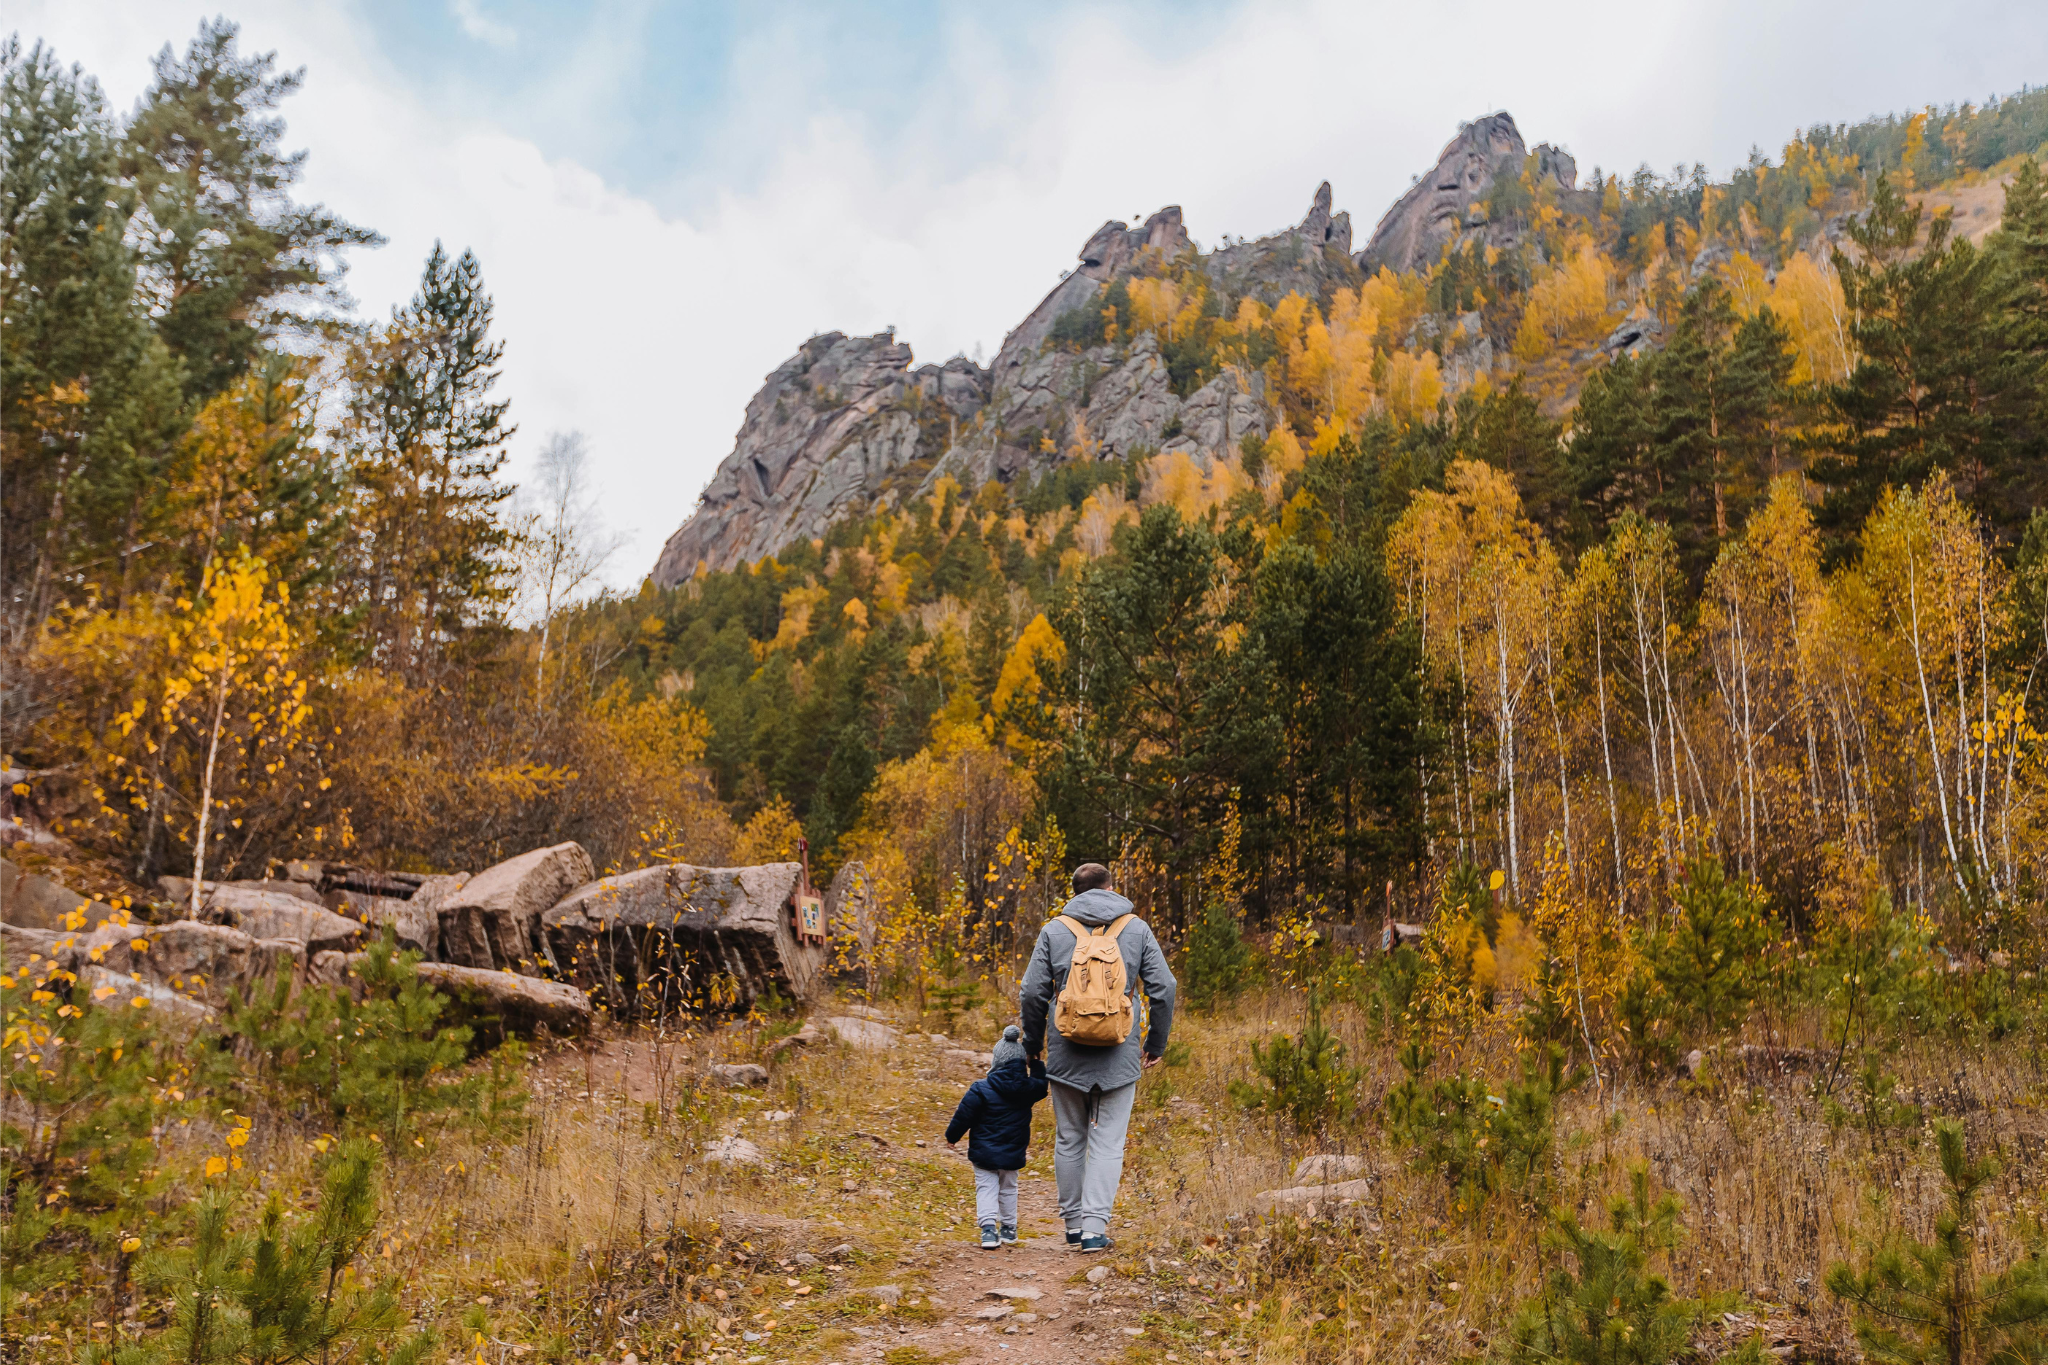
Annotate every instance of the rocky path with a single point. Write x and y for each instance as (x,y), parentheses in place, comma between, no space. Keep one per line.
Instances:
(1027,1303)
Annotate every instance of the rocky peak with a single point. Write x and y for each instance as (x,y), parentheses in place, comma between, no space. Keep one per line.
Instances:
(1438,207)
(1307,259)
(1321,228)
(833,428)
(1113,249)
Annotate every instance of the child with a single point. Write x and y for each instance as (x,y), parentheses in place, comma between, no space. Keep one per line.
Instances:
(997,1110)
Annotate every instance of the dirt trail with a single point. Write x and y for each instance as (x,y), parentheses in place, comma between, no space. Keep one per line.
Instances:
(1058,1326)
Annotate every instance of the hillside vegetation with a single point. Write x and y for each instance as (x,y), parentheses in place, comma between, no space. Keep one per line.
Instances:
(1672,670)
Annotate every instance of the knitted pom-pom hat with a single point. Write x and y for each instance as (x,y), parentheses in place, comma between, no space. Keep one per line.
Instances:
(1008,1050)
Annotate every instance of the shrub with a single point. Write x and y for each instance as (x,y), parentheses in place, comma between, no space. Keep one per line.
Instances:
(380,1064)
(89,1083)
(1217,962)
(1609,1308)
(1918,1303)
(1395,978)
(287,1293)
(1481,1143)
(1698,973)
(1707,961)
(1304,1077)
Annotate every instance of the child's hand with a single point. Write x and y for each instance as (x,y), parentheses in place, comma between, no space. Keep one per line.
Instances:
(952,1146)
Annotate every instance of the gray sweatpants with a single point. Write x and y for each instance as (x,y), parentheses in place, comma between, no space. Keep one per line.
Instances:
(995,1197)
(1088,1153)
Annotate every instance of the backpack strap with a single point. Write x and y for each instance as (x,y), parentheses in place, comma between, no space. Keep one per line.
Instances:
(1116,926)
(1079,929)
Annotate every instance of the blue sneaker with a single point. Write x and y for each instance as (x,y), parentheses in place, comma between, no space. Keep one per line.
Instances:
(1096,1243)
(1073,1237)
(991,1238)
(1009,1234)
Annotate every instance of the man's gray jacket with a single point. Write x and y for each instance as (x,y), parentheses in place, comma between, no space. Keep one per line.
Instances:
(1083,1065)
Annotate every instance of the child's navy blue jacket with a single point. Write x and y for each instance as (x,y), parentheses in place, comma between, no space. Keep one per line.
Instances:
(997,1110)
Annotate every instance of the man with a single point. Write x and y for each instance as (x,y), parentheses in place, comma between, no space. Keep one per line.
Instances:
(1093,1086)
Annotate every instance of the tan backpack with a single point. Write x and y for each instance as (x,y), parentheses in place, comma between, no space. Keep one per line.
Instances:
(1095,1005)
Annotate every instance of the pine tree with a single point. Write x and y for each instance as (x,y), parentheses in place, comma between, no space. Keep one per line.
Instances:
(89,398)
(1934,388)
(429,443)
(1928,1303)
(224,250)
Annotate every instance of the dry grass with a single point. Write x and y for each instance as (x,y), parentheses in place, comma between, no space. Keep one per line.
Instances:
(603,1230)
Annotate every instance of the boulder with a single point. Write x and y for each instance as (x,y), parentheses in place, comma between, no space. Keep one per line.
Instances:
(802,1038)
(273,914)
(735,1151)
(273,957)
(1304,1197)
(852,916)
(22,947)
(864,1034)
(331,968)
(1324,1167)
(738,1075)
(522,1003)
(29,901)
(178,890)
(494,919)
(117,992)
(413,926)
(200,961)
(649,941)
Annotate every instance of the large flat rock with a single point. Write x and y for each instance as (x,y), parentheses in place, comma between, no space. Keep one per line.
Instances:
(273,914)
(523,1003)
(678,934)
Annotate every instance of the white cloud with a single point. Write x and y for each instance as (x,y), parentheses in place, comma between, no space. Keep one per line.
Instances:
(481,26)
(649,332)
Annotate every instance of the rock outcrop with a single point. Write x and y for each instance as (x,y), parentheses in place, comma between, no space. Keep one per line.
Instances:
(29,901)
(493,920)
(843,422)
(847,426)
(1309,259)
(651,940)
(1112,251)
(1450,200)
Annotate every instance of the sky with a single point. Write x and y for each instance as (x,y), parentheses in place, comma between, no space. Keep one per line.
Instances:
(668,198)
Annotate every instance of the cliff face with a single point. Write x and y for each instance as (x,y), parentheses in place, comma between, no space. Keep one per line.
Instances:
(838,425)
(847,424)
(1448,201)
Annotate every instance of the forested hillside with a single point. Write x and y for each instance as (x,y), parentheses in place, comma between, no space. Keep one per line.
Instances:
(1633,588)
(1577,551)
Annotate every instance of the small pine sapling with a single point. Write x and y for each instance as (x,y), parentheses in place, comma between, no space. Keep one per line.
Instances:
(1304,1077)
(1926,1303)
(1217,962)
(289,1291)
(1609,1307)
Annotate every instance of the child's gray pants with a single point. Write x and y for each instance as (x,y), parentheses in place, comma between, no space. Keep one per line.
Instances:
(1088,1153)
(995,1197)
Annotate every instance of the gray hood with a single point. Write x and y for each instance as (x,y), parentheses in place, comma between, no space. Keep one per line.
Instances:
(1097,907)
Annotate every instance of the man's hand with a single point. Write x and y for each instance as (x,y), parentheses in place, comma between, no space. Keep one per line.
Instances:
(1148,1060)
(953,1146)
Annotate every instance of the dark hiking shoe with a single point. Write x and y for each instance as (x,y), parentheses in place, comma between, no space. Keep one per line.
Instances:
(1009,1234)
(991,1239)
(1097,1243)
